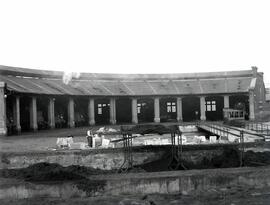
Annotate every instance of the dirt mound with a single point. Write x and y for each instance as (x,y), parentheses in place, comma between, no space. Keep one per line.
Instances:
(256,158)
(51,172)
(228,158)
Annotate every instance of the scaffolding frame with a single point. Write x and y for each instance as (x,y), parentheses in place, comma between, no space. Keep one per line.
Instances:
(176,150)
(128,153)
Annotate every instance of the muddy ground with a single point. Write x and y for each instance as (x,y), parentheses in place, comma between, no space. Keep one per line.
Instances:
(41,172)
(229,158)
(226,196)
(238,195)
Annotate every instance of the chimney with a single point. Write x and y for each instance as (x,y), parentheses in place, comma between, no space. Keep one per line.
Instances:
(254,71)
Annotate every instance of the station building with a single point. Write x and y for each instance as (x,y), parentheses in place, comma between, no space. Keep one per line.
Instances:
(40,99)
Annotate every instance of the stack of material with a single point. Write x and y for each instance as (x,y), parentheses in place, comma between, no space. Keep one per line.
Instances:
(105,130)
(184,139)
(224,138)
(233,138)
(105,143)
(165,141)
(147,129)
(64,142)
(203,139)
(213,139)
(154,141)
(188,128)
(78,145)
(191,140)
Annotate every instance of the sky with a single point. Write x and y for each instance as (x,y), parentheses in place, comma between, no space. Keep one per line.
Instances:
(136,36)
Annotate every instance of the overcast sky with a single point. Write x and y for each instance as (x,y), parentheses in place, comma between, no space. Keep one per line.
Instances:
(139,36)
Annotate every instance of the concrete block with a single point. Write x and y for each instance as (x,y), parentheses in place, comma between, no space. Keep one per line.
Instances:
(213,139)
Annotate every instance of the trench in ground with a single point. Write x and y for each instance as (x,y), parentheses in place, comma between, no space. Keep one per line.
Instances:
(227,157)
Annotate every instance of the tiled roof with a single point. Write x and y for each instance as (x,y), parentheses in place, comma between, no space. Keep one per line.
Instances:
(44,82)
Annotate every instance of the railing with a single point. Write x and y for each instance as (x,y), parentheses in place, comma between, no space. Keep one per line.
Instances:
(224,130)
(233,114)
(258,127)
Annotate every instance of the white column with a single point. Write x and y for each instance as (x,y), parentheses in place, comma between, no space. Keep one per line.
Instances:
(33,114)
(91,111)
(251,106)
(71,122)
(3,124)
(51,115)
(112,111)
(202,104)
(179,109)
(134,111)
(226,101)
(17,114)
(156,110)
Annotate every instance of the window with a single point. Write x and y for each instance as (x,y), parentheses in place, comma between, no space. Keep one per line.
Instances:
(210,106)
(101,107)
(140,106)
(171,107)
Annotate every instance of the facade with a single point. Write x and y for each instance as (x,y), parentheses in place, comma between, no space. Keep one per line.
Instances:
(40,99)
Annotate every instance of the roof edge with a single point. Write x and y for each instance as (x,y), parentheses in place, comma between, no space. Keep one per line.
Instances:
(26,72)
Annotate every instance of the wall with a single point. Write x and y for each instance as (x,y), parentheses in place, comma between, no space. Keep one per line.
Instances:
(105,159)
(141,183)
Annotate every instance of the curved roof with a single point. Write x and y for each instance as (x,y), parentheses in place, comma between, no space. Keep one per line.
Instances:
(24,80)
